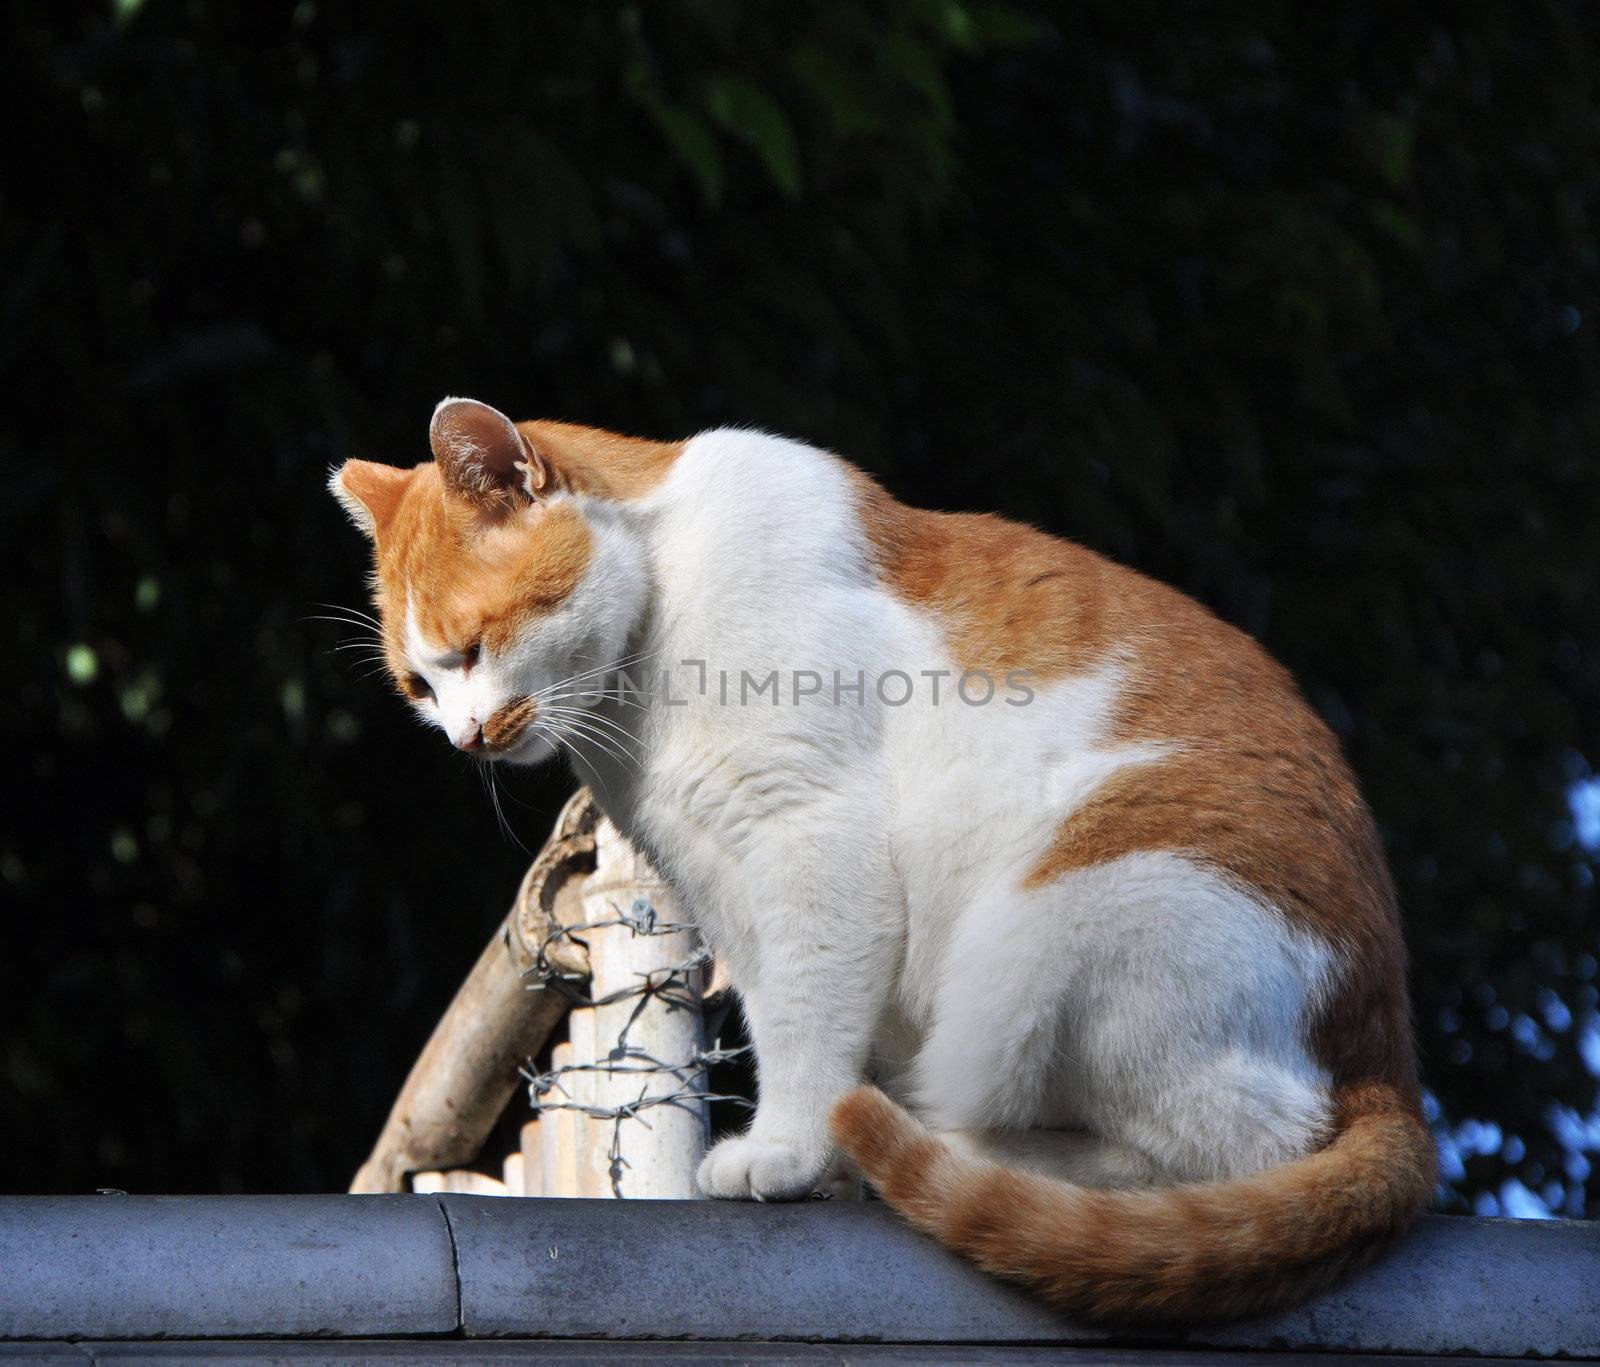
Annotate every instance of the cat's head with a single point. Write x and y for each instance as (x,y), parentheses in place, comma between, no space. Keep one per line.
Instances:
(498,588)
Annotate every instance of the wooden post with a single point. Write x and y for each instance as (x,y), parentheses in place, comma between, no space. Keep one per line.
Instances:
(533,1183)
(589,1133)
(463,1078)
(646,980)
(558,1137)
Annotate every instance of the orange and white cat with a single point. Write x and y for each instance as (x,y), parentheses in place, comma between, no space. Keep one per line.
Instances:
(1117,936)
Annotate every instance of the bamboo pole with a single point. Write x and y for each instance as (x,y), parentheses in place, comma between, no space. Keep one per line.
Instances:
(462,1181)
(589,1133)
(469,1068)
(558,1138)
(646,979)
(533,1181)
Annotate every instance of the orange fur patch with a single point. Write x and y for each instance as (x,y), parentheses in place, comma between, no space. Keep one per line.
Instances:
(468,581)
(1008,596)
(507,725)
(591,460)
(1255,785)
(370,493)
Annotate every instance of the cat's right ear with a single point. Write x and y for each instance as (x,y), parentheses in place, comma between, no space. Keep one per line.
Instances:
(484,459)
(370,493)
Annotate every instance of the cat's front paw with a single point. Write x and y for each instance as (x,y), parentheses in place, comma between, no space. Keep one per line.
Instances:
(746,1169)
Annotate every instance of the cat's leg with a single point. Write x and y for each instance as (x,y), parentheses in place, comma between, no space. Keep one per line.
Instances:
(1192,1014)
(1234,1114)
(1147,1000)
(993,1054)
(813,965)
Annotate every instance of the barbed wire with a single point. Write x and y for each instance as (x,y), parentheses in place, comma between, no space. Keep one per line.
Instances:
(640,918)
(670,985)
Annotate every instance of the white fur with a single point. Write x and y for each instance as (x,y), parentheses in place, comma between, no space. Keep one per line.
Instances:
(860,866)
(354,508)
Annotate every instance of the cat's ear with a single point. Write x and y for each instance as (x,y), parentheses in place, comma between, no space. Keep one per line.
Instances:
(370,493)
(483,457)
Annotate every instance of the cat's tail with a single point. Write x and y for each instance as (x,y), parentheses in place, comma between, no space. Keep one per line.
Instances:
(1203,1252)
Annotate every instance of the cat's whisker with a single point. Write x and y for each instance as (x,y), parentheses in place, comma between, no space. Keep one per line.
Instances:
(604,695)
(507,793)
(615,728)
(618,741)
(353,612)
(617,737)
(365,628)
(505,825)
(595,743)
(374,628)
(486,780)
(571,729)
(600,743)
(623,663)
(563,742)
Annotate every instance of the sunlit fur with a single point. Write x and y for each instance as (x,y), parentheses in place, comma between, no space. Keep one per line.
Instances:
(1130,948)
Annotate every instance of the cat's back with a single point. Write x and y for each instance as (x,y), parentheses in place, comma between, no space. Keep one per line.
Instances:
(1009,596)
(761,529)
(1224,758)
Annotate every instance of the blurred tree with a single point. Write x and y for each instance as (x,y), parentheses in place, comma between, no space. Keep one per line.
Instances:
(1286,306)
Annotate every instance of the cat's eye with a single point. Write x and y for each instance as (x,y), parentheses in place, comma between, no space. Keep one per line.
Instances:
(415,687)
(469,656)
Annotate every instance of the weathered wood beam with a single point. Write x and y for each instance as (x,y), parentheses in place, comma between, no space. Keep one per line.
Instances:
(499,1018)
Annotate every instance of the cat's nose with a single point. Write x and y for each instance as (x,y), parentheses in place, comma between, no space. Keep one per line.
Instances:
(472,738)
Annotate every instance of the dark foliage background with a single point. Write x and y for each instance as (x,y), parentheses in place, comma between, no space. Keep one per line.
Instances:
(1291,305)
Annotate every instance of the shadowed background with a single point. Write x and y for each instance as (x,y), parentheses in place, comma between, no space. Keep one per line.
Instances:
(1292,306)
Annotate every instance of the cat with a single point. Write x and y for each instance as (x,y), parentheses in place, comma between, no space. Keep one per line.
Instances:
(1106,919)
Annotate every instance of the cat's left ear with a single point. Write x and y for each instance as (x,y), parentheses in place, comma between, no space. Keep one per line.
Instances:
(370,493)
(483,457)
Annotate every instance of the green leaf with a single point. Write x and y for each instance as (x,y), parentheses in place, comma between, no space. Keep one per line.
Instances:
(916,66)
(1001,26)
(955,23)
(845,95)
(752,116)
(693,144)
